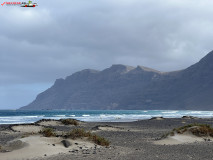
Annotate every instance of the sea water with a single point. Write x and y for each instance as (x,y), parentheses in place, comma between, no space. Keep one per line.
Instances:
(20,116)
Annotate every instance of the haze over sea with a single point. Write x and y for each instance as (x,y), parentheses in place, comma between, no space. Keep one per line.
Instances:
(22,116)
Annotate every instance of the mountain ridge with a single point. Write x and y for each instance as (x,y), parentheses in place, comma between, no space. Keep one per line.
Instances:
(127,87)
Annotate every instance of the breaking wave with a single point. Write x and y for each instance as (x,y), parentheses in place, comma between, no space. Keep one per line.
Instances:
(12,117)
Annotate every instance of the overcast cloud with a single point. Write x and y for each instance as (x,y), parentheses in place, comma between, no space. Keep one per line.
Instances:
(58,38)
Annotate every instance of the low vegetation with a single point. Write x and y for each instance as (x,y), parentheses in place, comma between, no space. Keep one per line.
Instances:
(199,130)
(204,130)
(69,122)
(80,133)
(26,135)
(99,140)
(47,132)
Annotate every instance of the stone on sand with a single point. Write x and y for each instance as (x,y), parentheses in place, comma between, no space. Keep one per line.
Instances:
(66,143)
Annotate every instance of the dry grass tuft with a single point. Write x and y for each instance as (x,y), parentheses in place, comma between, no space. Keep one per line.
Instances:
(69,122)
(99,140)
(199,130)
(80,133)
(48,132)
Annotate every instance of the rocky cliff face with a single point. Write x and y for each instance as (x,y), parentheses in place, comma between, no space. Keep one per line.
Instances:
(126,87)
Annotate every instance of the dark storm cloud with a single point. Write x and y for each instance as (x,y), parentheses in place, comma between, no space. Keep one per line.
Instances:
(58,38)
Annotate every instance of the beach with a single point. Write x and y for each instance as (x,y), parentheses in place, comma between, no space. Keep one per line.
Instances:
(128,140)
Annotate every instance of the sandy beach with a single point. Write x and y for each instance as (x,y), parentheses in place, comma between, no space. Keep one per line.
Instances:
(128,140)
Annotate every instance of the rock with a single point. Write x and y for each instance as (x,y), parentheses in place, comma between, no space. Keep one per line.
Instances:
(5,151)
(17,144)
(157,118)
(189,117)
(207,139)
(66,143)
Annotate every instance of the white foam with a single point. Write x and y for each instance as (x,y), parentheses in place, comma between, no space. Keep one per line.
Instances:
(31,116)
(86,115)
(59,115)
(168,112)
(113,116)
(196,112)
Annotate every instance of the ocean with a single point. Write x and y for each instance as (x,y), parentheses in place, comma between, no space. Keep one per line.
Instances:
(18,116)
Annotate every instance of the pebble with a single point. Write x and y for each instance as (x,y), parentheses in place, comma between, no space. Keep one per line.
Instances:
(66,143)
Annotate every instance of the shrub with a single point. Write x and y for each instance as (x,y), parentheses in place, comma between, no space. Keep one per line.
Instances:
(196,129)
(202,131)
(69,122)
(165,135)
(47,132)
(80,133)
(99,140)
(172,133)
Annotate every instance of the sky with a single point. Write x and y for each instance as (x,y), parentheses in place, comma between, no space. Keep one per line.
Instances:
(58,38)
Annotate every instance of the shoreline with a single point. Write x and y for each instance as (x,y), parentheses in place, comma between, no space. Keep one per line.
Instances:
(128,140)
(14,117)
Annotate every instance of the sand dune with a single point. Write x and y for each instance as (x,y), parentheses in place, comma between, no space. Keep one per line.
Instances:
(128,140)
(38,146)
(180,139)
(188,134)
(27,128)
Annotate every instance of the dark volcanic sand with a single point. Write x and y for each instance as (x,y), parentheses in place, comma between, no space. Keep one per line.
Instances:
(134,140)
